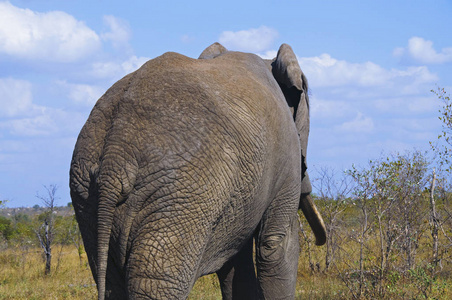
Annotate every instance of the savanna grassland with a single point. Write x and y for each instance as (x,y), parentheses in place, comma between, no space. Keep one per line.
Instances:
(22,275)
(348,267)
(388,225)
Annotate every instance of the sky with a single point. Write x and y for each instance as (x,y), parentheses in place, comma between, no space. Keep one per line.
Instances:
(370,66)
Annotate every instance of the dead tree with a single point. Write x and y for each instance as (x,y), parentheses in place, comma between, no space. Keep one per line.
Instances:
(45,232)
(435,223)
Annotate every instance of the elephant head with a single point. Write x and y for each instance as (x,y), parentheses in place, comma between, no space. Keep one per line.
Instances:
(294,85)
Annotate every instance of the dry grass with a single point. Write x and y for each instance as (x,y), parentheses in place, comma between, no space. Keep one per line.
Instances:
(22,277)
(206,287)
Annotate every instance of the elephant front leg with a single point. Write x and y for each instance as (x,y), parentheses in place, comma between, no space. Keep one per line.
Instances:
(237,277)
(277,251)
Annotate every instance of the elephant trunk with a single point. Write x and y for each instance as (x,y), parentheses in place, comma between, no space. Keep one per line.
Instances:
(314,218)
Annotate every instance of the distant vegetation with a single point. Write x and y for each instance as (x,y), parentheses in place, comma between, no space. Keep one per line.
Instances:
(26,272)
(389,227)
(17,225)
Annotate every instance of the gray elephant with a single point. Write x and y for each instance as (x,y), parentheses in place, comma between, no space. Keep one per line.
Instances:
(183,163)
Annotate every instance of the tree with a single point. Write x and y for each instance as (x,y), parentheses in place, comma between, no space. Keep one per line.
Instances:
(23,234)
(76,238)
(6,228)
(334,190)
(45,231)
(443,147)
(391,195)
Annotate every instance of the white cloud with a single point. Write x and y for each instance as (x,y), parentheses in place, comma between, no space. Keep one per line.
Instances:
(400,105)
(326,71)
(33,126)
(422,51)
(45,121)
(105,69)
(270,54)
(51,36)
(359,124)
(119,34)
(85,94)
(398,52)
(20,115)
(329,109)
(251,40)
(355,104)
(133,63)
(115,70)
(16,98)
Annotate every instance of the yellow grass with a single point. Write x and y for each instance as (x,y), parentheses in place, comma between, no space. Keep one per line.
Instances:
(206,287)
(22,277)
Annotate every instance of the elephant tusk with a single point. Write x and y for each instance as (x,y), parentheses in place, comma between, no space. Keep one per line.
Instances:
(314,219)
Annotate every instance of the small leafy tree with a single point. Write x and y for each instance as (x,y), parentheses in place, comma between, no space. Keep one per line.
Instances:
(6,229)
(23,231)
(391,196)
(443,147)
(76,238)
(69,233)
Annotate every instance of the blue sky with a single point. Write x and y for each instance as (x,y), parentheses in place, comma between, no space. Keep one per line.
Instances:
(370,65)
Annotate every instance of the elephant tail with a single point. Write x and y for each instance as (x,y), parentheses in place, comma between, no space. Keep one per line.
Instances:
(113,191)
(105,221)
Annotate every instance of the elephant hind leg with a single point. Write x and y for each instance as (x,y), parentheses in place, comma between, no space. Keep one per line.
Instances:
(153,288)
(277,251)
(237,277)
(161,281)
(163,258)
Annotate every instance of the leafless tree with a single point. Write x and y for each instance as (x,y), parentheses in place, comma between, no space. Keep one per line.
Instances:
(45,231)
(334,190)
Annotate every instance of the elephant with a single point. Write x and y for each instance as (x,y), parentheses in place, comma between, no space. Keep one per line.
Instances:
(188,167)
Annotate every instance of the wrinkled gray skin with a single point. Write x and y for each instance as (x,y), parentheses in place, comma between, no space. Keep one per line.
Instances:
(182,163)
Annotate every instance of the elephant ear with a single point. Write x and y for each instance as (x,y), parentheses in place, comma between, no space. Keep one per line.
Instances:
(285,68)
(213,51)
(293,84)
